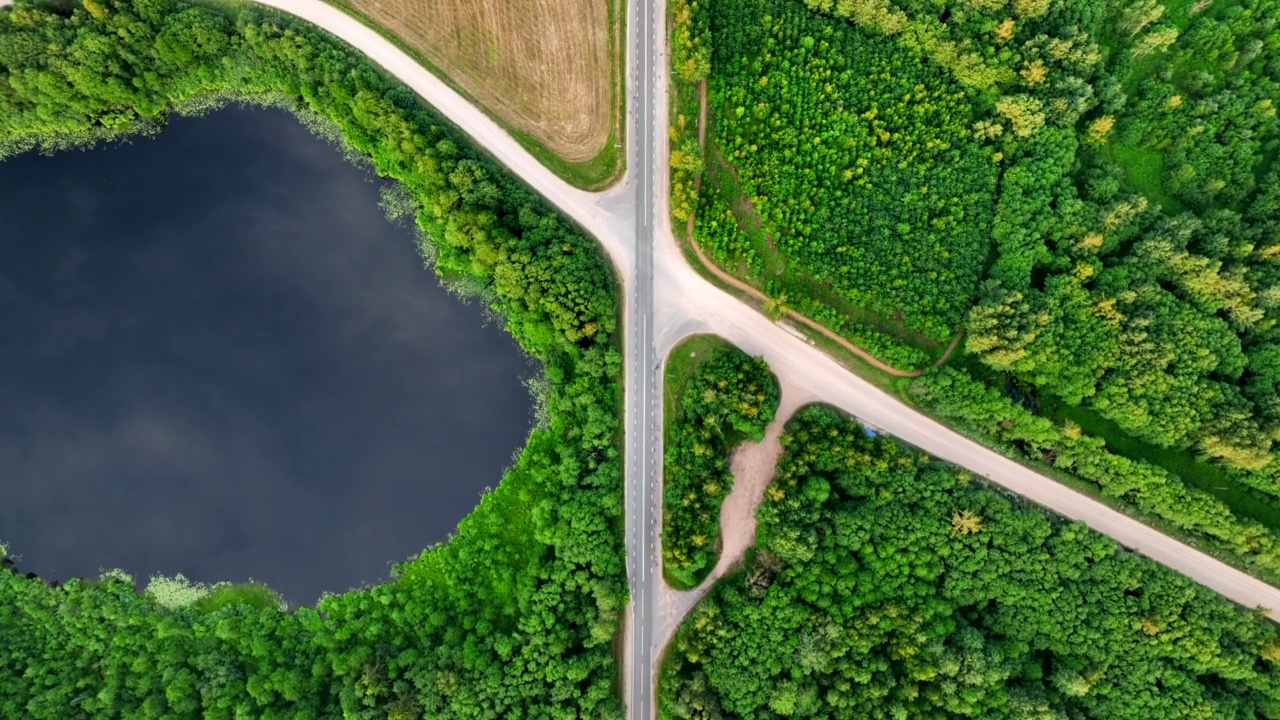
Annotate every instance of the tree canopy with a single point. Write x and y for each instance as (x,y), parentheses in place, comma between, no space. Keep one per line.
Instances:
(1088,189)
(857,157)
(887,585)
(513,617)
(731,398)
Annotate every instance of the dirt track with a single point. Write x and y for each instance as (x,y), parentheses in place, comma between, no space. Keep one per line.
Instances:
(753,466)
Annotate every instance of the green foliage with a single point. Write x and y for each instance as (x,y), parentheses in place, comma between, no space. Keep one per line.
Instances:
(1150,320)
(924,35)
(1160,323)
(1162,326)
(889,586)
(690,48)
(1209,109)
(731,397)
(741,241)
(691,61)
(1095,116)
(687,166)
(859,327)
(1150,490)
(857,156)
(254,595)
(514,617)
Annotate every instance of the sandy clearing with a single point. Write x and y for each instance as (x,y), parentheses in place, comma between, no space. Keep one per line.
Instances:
(752,465)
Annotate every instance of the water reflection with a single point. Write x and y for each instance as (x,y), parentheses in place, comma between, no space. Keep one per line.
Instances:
(218,358)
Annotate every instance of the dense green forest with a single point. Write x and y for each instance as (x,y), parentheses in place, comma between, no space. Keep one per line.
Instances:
(888,585)
(730,398)
(1153,492)
(856,156)
(513,617)
(1118,253)
(1157,315)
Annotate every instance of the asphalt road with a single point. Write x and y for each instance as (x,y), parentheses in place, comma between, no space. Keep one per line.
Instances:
(643,399)
(667,301)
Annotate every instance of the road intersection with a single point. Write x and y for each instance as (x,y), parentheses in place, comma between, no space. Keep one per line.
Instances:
(643,406)
(666,300)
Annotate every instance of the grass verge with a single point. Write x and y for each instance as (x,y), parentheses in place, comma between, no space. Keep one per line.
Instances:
(1144,171)
(682,364)
(255,595)
(1244,501)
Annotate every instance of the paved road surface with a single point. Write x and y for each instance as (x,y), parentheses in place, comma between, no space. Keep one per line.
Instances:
(643,401)
(667,300)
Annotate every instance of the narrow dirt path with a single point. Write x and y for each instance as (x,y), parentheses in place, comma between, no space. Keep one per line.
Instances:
(788,312)
(752,465)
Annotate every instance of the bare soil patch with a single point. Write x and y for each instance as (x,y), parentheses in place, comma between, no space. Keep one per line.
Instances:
(542,66)
(752,465)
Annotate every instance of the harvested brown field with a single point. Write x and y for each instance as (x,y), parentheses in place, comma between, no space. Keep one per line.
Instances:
(542,66)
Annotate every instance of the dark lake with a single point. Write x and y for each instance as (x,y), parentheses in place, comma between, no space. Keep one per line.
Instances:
(219,358)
